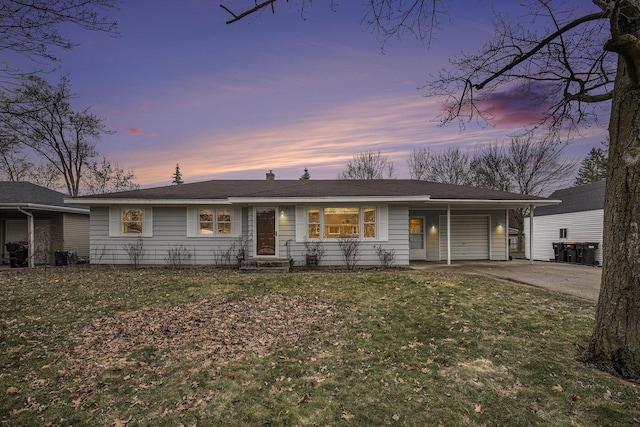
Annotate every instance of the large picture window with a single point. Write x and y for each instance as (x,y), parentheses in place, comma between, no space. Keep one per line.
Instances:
(341,222)
(333,222)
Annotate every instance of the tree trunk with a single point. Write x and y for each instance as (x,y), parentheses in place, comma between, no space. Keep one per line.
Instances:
(615,343)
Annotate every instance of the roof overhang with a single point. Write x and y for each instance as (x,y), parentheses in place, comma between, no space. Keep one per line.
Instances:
(488,204)
(147,202)
(329,199)
(42,208)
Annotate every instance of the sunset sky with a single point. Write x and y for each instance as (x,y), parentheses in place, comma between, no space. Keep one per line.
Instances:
(280,92)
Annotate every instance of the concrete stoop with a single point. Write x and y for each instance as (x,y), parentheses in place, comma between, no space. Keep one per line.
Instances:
(266,265)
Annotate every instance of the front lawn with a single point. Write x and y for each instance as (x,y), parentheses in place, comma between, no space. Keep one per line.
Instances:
(109,347)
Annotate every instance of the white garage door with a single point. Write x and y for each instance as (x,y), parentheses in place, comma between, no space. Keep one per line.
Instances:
(469,237)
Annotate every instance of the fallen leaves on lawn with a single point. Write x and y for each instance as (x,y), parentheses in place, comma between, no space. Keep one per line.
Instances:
(217,329)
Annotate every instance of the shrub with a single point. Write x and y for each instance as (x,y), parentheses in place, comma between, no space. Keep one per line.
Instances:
(135,251)
(177,256)
(350,247)
(387,257)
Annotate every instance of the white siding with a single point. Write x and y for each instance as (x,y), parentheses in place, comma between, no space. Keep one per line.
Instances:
(169,231)
(583,226)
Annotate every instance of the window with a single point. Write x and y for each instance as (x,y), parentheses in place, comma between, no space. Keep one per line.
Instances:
(208,221)
(341,222)
(205,221)
(223,219)
(333,222)
(563,233)
(314,223)
(132,221)
(369,223)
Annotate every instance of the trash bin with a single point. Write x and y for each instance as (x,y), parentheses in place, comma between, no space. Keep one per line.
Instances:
(572,254)
(559,254)
(589,253)
(61,257)
(18,254)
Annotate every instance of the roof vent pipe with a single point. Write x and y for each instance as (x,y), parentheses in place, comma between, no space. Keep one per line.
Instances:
(270,175)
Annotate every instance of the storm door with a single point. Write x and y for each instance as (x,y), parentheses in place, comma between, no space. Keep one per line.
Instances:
(416,239)
(266,232)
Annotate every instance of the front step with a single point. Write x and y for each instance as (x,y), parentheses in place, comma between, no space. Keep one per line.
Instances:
(266,265)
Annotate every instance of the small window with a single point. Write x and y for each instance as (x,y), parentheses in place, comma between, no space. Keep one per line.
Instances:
(370,223)
(205,221)
(223,219)
(314,223)
(563,233)
(132,221)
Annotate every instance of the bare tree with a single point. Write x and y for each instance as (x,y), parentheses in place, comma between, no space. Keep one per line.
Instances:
(451,166)
(104,177)
(14,165)
(40,117)
(368,165)
(32,28)
(488,168)
(565,63)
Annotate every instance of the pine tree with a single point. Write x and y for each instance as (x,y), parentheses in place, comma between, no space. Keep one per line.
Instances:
(593,168)
(305,176)
(177,176)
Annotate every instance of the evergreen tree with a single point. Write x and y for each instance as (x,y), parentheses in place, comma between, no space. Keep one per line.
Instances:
(593,168)
(305,176)
(177,176)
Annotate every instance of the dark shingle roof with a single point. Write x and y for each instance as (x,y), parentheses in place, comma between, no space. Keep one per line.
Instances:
(26,192)
(223,189)
(588,197)
(23,193)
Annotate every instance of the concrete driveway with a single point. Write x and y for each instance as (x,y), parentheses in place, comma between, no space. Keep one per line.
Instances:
(571,279)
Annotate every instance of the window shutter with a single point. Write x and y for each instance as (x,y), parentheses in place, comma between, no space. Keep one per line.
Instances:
(383,223)
(301,223)
(192,222)
(147,222)
(114,222)
(236,221)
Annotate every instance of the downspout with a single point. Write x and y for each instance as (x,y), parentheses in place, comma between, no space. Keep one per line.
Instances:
(531,234)
(507,233)
(448,234)
(31,232)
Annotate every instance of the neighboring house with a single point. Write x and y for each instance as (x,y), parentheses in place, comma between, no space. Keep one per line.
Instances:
(275,218)
(579,218)
(39,216)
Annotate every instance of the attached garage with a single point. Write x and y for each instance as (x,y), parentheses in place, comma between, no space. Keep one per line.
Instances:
(469,237)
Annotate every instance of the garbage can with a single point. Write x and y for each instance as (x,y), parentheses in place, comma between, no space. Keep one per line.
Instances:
(580,252)
(589,253)
(572,254)
(559,255)
(61,258)
(18,254)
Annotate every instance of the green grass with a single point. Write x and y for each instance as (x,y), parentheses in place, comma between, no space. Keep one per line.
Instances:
(206,347)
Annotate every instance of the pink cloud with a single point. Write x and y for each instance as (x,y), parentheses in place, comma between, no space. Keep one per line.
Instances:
(134,131)
(519,106)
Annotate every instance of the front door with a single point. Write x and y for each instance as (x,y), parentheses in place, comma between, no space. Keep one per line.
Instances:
(416,239)
(266,232)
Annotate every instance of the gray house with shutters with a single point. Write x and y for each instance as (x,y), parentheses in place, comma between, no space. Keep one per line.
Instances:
(579,218)
(280,219)
(37,215)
